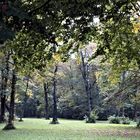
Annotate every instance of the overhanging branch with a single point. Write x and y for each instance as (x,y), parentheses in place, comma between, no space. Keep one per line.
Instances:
(40,7)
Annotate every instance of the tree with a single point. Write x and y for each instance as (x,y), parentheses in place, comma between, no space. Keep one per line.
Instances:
(4,80)
(10,124)
(85,74)
(54,120)
(46,92)
(89,79)
(72,103)
(71,21)
(117,38)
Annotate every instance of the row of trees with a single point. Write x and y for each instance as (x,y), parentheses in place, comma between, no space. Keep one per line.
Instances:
(42,34)
(37,95)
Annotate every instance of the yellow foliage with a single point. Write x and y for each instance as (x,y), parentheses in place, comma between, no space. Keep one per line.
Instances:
(78,60)
(98,74)
(136,26)
(1,54)
(57,57)
(113,78)
(29,93)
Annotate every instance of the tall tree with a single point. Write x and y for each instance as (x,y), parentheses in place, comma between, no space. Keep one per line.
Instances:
(46,92)
(10,124)
(54,81)
(85,74)
(89,79)
(4,74)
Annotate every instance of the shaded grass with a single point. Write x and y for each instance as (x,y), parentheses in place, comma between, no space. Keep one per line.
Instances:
(40,129)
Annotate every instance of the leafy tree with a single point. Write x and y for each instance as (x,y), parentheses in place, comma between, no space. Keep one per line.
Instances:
(71,21)
(88,73)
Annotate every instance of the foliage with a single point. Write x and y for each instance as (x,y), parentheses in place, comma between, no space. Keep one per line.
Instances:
(125,120)
(119,120)
(114,120)
(93,117)
(138,123)
(65,22)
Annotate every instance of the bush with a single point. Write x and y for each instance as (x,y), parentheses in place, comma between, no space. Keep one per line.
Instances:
(102,116)
(92,119)
(119,120)
(125,120)
(114,120)
(138,123)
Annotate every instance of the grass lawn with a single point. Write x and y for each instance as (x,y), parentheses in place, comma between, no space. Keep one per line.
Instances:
(40,129)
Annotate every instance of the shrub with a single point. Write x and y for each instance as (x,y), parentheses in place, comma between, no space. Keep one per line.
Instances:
(102,116)
(125,120)
(92,119)
(119,120)
(114,120)
(138,123)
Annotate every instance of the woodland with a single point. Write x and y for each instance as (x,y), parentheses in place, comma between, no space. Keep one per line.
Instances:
(70,59)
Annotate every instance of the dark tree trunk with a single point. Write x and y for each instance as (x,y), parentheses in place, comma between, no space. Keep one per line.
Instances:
(88,97)
(135,112)
(123,112)
(5,74)
(24,102)
(46,91)
(54,120)
(3,98)
(10,124)
(2,113)
(85,74)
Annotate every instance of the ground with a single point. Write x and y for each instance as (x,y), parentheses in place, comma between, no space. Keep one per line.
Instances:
(40,129)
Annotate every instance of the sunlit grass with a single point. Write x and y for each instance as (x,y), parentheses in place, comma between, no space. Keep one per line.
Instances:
(40,129)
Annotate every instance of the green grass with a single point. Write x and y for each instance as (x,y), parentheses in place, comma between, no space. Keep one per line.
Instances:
(40,129)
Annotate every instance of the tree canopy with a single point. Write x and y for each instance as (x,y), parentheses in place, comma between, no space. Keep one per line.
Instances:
(58,24)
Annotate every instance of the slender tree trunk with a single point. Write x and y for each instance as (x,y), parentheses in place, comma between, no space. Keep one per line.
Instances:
(24,101)
(54,120)
(46,91)
(4,74)
(88,98)
(123,77)
(117,112)
(135,112)
(10,124)
(91,97)
(2,113)
(85,74)
(123,112)
(3,98)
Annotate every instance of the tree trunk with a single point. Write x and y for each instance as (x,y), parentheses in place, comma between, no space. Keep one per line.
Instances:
(88,98)
(117,112)
(85,74)
(3,88)
(2,113)
(3,98)
(135,112)
(10,124)
(54,120)
(24,101)
(46,91)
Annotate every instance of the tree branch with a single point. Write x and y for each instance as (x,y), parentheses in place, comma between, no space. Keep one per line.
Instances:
(40,7)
